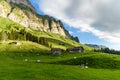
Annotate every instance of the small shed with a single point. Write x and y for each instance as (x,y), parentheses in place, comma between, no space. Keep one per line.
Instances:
(56,51)
(75,49)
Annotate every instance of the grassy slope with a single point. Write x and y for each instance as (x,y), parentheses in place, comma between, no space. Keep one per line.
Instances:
(14,67)
(55,40)
(99,60)
(22,47)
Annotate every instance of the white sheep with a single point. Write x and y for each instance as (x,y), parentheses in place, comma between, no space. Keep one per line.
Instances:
(86,66)
(74,57)
(38,61)
(26,60)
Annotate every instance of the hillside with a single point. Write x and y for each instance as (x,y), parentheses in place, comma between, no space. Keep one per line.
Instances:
(21,22)
(22,66)
(22,12)
(10,30)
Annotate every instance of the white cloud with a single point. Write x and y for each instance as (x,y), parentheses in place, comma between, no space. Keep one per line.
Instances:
(100,17)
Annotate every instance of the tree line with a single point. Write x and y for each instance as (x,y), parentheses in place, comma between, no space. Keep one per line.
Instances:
(22,35)
(107,50)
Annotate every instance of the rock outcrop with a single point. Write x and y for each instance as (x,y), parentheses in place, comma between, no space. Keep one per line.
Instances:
(22,12)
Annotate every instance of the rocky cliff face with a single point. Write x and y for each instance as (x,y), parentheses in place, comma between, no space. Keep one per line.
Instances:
(21,11)
(24,2)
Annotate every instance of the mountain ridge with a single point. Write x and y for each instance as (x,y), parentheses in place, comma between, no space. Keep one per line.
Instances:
(96,46)
(22,12)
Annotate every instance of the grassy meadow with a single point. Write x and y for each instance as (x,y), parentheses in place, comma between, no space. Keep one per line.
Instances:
(25,66)
(17,62)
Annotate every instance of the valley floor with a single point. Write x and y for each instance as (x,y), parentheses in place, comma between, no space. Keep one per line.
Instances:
(18,66)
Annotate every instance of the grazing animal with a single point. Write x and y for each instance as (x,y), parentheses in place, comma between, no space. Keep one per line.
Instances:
(38,61)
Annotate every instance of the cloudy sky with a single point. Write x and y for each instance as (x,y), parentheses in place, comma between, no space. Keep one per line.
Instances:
(93,21)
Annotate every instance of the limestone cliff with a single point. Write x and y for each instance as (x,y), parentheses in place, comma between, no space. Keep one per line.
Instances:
(22,12)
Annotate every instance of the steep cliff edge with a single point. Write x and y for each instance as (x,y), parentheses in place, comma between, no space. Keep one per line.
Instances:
(22,12)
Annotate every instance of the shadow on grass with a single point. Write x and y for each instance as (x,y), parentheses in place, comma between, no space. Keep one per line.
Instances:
(93,62)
